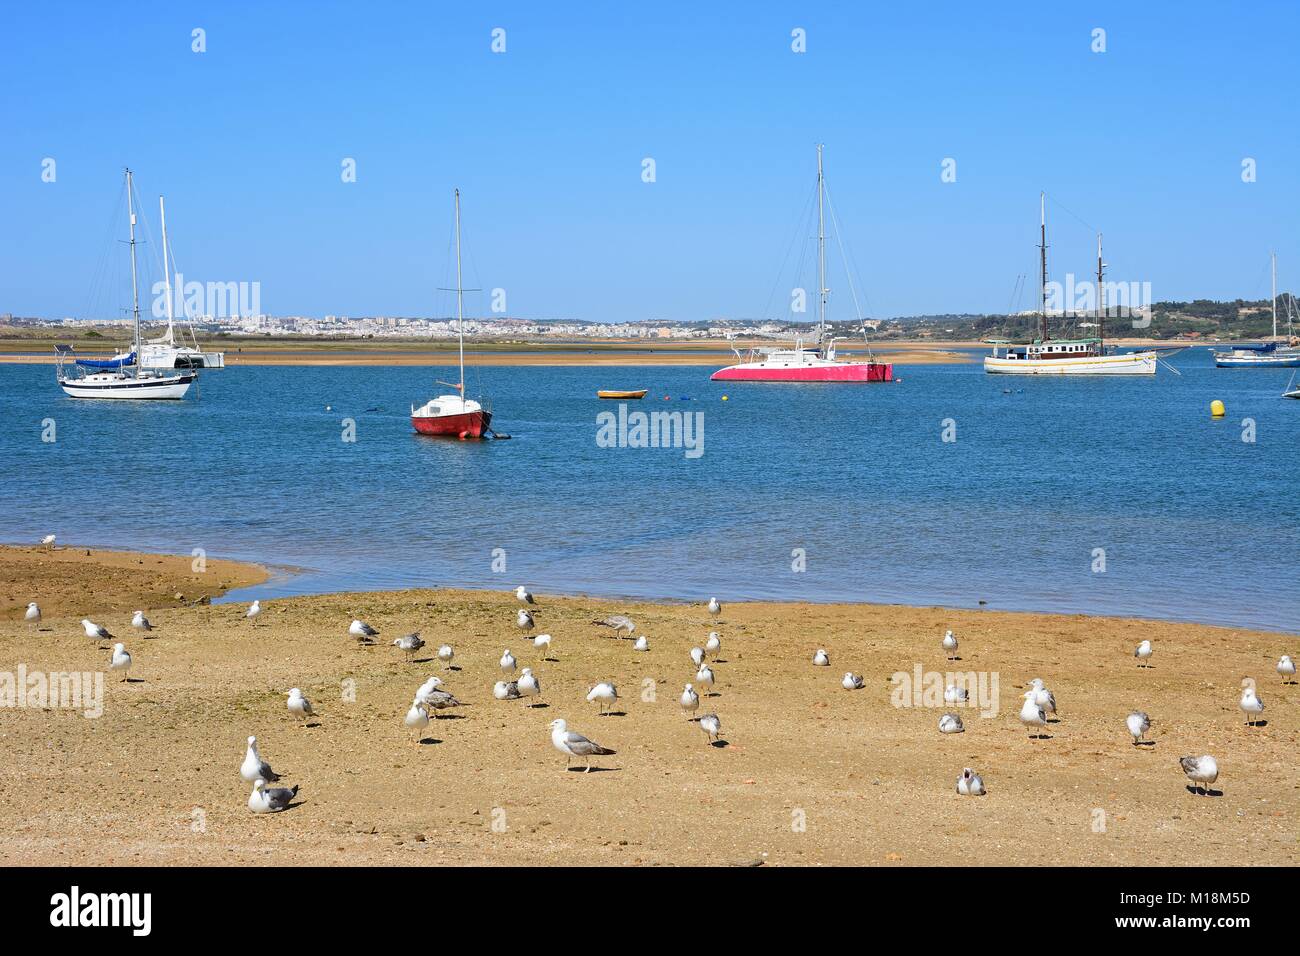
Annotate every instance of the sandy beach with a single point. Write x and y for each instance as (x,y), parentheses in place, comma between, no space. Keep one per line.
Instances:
(810,773)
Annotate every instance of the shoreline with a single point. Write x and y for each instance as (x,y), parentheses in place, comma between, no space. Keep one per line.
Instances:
(866,769)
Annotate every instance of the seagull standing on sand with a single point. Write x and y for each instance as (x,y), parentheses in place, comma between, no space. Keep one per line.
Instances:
(362,631)
(704,677)
(524,619)
(95,631)
(508,662)
(970,784)
(1202,771)
(409,643)
(697,656)
(1138,724)
(1251,704)
(1043,697)
(298,704)
(254,766)
(713,644)
(1031,715)
(417,718)
(529,685)
(254,609)
(715,608)
(851,681)
(265,799)
(690,701)
(121,660)
(523,594)
(33,617)
(950,724)
(445,654)
(604,693)
(575,745)
(641,644)
(950,645)
(821,659)
(543,643)
(140,622)
(1142,653)
(712,726)
(1285,667)
(48,541)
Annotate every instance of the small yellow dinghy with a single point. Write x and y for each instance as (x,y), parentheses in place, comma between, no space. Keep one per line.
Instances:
(608,393)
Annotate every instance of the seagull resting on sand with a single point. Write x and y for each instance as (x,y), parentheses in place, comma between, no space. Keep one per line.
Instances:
(604,693)
(951,724)
(523,594)
(575,745)
(362,631)
(524,619)
(970,784)
(298,704)
(851,681)
(1138,724)
(506,690)
(821,659)
(952,694)
(508,662)
(254,766)
(140,622)
(266,799)
(1201,771)
(641,644)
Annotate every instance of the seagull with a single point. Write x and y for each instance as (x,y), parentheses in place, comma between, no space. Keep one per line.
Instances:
(952,694)
(524,619)
(704,677)
(428,687)
(523,594)
(254,609)
(140,622)
(714,607)
(33,616)
(508,662)
(434,699)
(254,766)
(1142,653)
(1200,770)
(1043,697)
(713,644)
(409,643)
(273,800)
(950,645)
(690,701)
(1138,724)
(362,631)
(970,784)
(851,681)
(603,693)
(641,644)
(528,685)
(697,656)
(1251,704)
(712,726)
(543,643)
(950,724)
(575,745)
(506,690)
(445,654)
(298,704)
(1285,666)
(618,622)
(417,718)
(1031,715)
(96,631)
(820,659)
(48,541)
(121,660)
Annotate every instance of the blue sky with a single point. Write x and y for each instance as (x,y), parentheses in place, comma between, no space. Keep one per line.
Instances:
(1144,141)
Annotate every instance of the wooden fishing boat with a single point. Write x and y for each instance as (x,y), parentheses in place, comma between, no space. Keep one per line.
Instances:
(614,393)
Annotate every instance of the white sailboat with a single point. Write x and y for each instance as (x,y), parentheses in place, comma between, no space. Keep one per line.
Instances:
(1083,356)
(1271,354)
(122,377)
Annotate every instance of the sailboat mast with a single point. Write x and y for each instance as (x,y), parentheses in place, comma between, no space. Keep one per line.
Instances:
(135,288)
(821,252)
(167,271)
(1042,252)
(1273,300)
(460,314)
(1101,300)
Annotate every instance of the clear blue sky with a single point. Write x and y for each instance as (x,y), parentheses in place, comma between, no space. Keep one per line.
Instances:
(1144,141)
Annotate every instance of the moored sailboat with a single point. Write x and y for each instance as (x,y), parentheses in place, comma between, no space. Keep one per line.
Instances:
(1271,354)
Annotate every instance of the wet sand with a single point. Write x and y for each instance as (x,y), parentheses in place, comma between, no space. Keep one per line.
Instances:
(810,773)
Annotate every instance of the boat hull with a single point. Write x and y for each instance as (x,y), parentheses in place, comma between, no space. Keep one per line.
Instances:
(1135,363)
(611,393)
(170,387)
(460,425)
(1281,361)
(829,372)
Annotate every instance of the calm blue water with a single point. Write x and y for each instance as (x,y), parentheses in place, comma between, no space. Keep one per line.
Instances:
(1196,524)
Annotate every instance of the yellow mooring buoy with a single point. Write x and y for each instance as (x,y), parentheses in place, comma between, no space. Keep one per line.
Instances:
(1216,409)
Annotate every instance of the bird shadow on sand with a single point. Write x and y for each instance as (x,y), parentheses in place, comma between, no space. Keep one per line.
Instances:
(422,660)
(314,723)
(134,680)
(1053,720)
(613,713)
(429,741)
(1040,737)
(540,705)
(581,768)
(1258,723)
(1145,743)
(1197,791)
(448,716)
(720,744)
